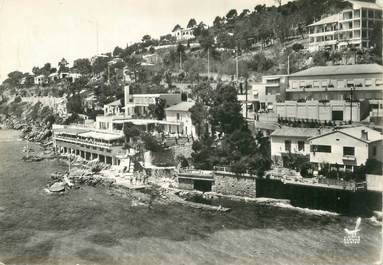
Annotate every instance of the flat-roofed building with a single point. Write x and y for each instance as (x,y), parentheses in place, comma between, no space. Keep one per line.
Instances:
(354,26)
(89,143)
(138,104)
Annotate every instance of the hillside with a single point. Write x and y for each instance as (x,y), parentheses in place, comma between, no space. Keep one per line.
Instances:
(261,40)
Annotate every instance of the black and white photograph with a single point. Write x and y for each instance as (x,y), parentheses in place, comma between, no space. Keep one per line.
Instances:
(191,132)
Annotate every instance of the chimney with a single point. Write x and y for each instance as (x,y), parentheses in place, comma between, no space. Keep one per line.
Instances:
(364,135)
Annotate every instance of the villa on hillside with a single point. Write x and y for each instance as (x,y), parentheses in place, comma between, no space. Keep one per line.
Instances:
(138,104)
(182,34)
(113,108)
(41,80)
(179,118)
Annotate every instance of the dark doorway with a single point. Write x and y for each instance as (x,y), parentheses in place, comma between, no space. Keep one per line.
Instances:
(337,115)
(202,185)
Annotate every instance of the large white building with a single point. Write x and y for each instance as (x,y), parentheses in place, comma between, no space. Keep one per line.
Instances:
(347,147)
(352,26)
(325,93)
(179,118)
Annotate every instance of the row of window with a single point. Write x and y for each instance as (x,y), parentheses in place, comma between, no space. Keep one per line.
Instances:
(365,13)
(336,83)
(347,150)
(344,26)
(301,146)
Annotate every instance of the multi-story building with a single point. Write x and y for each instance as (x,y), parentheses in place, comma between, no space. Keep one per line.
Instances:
(89,143)
(343,92)
(346,148)
(138,104)
(179,118)
(353,26)
(338,82)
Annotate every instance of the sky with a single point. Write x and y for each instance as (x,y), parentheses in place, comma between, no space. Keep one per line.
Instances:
(33,32)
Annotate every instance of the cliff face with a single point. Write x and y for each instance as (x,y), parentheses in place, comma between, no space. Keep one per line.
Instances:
(34,120)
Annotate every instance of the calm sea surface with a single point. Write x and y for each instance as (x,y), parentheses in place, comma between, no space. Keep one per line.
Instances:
(89,226)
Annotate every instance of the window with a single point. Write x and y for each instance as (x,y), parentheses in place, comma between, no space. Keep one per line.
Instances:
(369,82)
(370,13)
(378,14)
(288,145)
(301,145)
(178,116)
(348,151)
(374,151)
(321,148)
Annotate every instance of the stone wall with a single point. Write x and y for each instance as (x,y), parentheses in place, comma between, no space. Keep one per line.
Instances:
(230,184)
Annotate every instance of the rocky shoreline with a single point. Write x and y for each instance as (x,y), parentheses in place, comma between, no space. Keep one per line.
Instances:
(31,131)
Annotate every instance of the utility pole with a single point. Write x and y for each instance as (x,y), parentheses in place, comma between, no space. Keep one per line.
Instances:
(108,74)
(180,60)
(208,63)
(288,64)
(246,97)
(236,64)
(351,98)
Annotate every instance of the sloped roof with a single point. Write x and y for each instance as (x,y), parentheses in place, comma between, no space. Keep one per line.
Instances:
(341,70)
(298,132)
(356,132)
(326,20)
(183,106)
(115,103)
(177,27)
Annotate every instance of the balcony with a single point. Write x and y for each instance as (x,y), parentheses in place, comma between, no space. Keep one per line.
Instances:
(83,142)
(349,158)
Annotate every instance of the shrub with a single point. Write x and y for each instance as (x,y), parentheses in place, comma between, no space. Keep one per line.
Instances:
(17,99)
(297,47)
(150,143)
(183,161)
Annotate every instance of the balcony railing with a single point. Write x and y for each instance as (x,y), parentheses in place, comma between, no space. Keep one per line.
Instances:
(349,158)
(85,142)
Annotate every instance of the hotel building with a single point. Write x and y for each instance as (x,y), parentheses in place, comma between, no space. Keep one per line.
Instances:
(353,26)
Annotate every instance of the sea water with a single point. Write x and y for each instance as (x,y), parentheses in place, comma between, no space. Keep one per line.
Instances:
(90,226)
